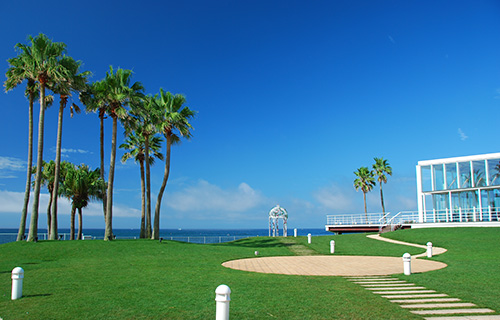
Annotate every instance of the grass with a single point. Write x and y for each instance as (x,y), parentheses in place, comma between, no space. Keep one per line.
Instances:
(473,258)
(143,279)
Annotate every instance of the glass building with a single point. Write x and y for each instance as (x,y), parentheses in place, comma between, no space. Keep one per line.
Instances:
(461,189)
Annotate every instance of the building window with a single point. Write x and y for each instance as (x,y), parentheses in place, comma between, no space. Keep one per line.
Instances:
(465,176)
(426,178)
(494,172)
(438,177)
(479,175)
(451,176)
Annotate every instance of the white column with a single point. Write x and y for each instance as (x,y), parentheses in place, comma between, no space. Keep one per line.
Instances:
(480,204)
(429,249)
(17,283)
(420,195)
(487,172)
(407,264)
(222,298)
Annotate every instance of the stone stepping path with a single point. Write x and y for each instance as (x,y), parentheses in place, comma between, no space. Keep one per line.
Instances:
(297,249)
(425,302)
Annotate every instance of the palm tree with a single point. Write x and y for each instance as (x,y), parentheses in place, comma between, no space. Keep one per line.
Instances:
(115,93)
(135,143)
(73,82)
(90,99)
(81,185)
(175,118)
(19,71)
(47,180)
(381,167)
(42,58)
(364,181)
(143,118)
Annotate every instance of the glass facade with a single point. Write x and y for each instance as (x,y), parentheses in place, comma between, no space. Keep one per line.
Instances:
(451,176)
(463,189)
(494,172)
(426,178)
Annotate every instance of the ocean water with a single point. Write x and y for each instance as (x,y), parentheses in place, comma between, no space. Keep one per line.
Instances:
(185,235)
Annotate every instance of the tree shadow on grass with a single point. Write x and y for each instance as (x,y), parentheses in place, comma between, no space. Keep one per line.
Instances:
(255,243)
(37,295)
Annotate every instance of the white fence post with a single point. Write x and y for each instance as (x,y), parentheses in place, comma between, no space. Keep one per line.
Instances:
(17,283)
(429,249)
(407,264)
(295,232)
(309,238)
(332,246)
(222,298)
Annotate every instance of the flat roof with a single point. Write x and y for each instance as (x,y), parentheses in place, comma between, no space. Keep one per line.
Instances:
(461,159)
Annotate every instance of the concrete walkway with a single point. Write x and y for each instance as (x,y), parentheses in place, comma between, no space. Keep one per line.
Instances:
(422,301)
(333,265)
(435,250)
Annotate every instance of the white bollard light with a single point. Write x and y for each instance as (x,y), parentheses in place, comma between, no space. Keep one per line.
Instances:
(309,238)
(17,283)
(332,246)
(222,298)
(407,264)
(429,249)
(295,232)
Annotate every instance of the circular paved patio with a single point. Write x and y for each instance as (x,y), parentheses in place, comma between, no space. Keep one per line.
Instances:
(331,265)
(339,265)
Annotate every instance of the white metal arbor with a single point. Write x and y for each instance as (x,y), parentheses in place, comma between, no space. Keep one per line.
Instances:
(275,214)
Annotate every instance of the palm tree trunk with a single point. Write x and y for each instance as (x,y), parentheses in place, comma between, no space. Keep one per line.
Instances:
(72,226)
(108,234)
(366,214)
(53,229)
(104,198)
(49,207)
(382,201)
(156,229)
(142,234)
(148,187)
(24,213)
(80,224)
(33,232)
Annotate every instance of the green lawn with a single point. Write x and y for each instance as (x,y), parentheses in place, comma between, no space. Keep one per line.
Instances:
(473,258)
(143,279)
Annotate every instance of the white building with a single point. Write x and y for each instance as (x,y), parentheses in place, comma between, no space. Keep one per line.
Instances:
(461,189)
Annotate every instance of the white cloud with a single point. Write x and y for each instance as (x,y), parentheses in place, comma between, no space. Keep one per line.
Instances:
(63,150)
(498,94)
(11,202)
(462,135)
(335,198)
(391,39)
(406,203)
(13,164)
(7,176)
(208,197)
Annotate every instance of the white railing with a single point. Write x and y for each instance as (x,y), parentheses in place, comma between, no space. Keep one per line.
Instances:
(207,239)
(404,217)
(353,219)
(11,237)
(484,214)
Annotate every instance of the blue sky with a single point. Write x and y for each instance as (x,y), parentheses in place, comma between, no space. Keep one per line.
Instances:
(292,97)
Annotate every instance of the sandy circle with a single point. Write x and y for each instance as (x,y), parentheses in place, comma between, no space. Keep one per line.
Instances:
(332,265)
